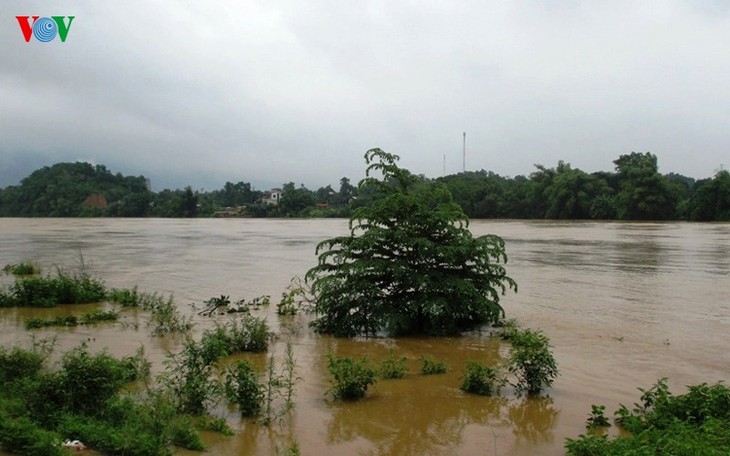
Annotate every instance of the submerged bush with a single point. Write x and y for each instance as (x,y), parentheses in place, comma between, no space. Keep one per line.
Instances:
(189,376)
(126,297)
(531,361)
(165,316)
(82,399)
(23,436)
(72,320)
(245,334)
(431,366)
(350,378)
(393,367)
(695,423)
(16,363)
(52,291)
(481,379)
(409,265)
(243,389)
(22,269)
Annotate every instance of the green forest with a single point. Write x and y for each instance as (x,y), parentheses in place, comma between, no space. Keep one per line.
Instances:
(633,190)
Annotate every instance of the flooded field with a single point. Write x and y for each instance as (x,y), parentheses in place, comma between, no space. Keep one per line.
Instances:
(624,304)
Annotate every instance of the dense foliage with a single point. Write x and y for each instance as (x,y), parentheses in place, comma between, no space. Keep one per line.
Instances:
(694,423)
(410,264)
(40,406)
(50,291)
(635,191)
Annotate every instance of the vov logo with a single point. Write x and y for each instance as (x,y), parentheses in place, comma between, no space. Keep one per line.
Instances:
(44,29)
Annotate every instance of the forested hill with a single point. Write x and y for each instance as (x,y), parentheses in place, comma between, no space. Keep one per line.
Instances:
(635,190)
(76,189)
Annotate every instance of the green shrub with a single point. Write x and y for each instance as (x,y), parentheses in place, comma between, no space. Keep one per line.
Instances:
(243,389)
(531,361)
(61,320)
(18,364)
(393,367)
(51,291)
(23,436)
(189,376)
(125,297)
(696,423)
(431,366)
(350,378)
(293,298)
(245,334)
(215,424)
(89,381)
(184,434)
(72,320)
(165,316)
(82,401)
(99,315)
(481,379)
(597,419)
(22,269)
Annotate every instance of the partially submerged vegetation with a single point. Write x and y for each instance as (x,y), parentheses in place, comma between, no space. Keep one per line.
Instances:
(694,423)
(22,269)
(88,318)
(410,264)
(50,291)
(350,378)
(431,366)
(40,405)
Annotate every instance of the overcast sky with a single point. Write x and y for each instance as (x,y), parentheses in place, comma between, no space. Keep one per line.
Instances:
(202,92)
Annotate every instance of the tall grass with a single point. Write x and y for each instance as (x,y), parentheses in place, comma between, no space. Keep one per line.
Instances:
(52,291)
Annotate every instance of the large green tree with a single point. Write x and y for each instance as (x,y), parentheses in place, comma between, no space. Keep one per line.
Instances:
(569,193)
(711,200)
(645,194)
(410,265)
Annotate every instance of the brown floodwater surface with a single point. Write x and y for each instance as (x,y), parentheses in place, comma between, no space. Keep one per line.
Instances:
(624,304)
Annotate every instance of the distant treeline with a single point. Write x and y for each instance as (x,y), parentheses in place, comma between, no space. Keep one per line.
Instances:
(635,190)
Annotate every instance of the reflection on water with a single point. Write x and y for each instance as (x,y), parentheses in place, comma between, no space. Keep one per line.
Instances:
(532,419)
(623,303)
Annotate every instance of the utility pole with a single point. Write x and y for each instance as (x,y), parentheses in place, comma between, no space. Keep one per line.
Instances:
(444,173)
(464,158)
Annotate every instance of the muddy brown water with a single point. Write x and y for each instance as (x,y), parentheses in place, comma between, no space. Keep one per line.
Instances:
(624,304)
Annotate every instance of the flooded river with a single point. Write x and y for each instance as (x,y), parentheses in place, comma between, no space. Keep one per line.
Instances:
(624,304)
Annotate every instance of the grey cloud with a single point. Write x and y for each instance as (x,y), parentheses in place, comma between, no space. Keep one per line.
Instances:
(203,92)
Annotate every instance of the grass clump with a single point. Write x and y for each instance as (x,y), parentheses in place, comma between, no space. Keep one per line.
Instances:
(350,378)
(393,367)
(126,297)
(165,317)
(431,366)
(245,334)
(88,318)
(52,291)
(22,269)
(61,320)
(697,422)
(482,379)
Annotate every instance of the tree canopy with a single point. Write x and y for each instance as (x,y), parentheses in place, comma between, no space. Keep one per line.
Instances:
(634,190)
(410,265)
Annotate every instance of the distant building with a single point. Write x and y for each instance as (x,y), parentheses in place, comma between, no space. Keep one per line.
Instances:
(271,197)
